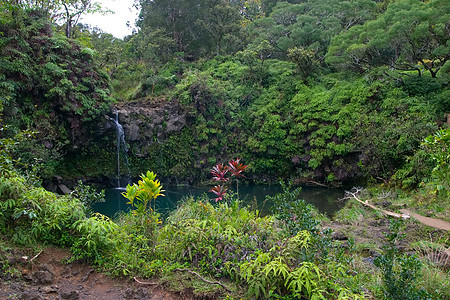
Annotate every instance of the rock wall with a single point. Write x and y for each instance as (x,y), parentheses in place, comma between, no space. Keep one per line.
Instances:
(145,122)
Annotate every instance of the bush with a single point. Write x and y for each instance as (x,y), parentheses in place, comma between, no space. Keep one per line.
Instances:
(438,146)
(400,271)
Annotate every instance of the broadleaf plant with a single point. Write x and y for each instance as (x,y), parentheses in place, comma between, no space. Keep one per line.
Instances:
(140,195)
(220,173)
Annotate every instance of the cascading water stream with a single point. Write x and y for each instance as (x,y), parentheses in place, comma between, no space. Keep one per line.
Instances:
(121,144)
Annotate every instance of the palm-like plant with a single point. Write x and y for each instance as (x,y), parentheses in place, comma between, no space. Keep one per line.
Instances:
(141,195)
(219,191)
(236,169)
(220,171)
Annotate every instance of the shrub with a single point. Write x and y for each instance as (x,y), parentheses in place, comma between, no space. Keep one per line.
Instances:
(293,211)
(400,271)
(438,146)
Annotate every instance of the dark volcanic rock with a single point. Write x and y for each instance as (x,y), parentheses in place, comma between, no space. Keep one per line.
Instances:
(69,294)
(31,295)
(43,276)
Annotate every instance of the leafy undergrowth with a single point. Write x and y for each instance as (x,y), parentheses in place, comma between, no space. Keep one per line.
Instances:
(225,250)
(408,253)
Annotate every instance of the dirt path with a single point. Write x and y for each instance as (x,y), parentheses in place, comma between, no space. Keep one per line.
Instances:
(436,223)
(48,277)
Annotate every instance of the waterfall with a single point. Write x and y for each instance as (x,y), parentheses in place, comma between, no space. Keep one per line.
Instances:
(121,147)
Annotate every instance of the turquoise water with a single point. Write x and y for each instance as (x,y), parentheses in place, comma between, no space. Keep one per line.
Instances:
(326,200)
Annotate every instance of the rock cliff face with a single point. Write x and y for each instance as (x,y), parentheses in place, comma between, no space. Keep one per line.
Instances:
(145,123)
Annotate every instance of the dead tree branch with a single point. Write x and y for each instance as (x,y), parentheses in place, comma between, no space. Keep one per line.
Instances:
(146,283)
(34,257)
(205,280)
(353,195)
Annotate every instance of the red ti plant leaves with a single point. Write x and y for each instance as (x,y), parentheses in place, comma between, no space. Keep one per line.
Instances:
(236,168)
(219,191)
(219,172)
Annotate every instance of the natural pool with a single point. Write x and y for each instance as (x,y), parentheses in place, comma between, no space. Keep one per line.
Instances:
(326,200)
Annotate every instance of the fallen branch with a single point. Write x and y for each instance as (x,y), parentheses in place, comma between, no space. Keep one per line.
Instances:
(34,257)
(317,183)
(205,280)
(146,283)
(366,203)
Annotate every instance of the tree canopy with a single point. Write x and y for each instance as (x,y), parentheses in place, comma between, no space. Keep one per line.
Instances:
(409,35)
(318,90)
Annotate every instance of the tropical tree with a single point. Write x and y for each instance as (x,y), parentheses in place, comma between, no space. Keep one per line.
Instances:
(195,28)
(70,12)
(222,24)
(66,11)
(309,25)
(411,35)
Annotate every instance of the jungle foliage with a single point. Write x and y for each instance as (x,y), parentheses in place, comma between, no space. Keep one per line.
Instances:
(309,90)
(50,85)
(288,255)
(317,91)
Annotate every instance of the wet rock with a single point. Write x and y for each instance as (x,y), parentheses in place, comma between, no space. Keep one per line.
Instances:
(48,289)
(145,123)
(176,123)
(42,277)
(87,275)
(66,273)
(133,132)
(128,293)
(139,293)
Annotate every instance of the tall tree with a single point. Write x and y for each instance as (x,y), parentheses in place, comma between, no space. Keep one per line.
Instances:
(410,35)
(222,24)
(72,10)
(176,20)
(66,11)
(196,27)
(310,24)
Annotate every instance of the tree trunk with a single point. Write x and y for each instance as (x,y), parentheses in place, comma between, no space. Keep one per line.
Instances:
(68,22)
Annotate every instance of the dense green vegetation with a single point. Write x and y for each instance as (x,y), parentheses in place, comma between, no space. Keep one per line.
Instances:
(312,91)
(289,255)
(329,92)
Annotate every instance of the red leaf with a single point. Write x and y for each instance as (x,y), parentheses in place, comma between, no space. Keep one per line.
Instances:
(219,191)
(219,172)
(236,168)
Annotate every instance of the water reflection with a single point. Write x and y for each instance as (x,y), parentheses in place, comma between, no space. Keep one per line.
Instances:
(326,200)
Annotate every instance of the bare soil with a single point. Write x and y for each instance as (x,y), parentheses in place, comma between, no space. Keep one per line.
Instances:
(49,277)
